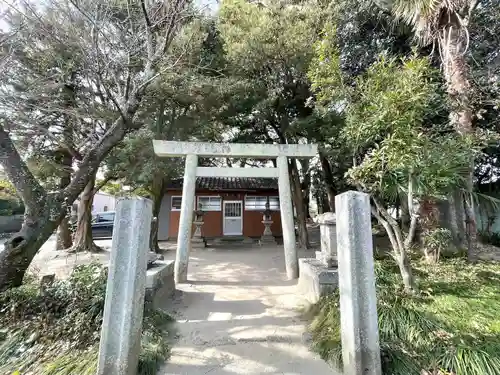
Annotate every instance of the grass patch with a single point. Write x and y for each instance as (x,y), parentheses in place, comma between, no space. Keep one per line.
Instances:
(56,331)
(453,326)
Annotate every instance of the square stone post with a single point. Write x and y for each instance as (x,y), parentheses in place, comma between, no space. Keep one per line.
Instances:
(328,231)
(358,301)
(186,219)
(291,259)
(124,306)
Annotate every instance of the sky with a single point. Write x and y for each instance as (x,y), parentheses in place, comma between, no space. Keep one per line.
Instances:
(211,5)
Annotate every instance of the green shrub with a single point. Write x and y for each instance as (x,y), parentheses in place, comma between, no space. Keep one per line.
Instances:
(56,331)
(453,326)
(436,241)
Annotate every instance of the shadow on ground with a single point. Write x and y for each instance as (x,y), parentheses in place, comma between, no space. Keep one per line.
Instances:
(238,314)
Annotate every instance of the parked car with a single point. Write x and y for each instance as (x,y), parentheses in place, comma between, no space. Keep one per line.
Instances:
(102,224)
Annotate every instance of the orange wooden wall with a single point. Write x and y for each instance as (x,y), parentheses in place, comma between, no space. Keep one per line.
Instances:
(213,220)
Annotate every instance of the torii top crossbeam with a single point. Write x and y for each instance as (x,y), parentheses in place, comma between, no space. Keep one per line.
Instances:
(249,150)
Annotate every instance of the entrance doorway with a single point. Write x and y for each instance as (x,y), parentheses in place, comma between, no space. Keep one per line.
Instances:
(233,218)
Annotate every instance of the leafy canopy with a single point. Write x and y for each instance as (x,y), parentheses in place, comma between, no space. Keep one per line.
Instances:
(262,36)
(388,119)
(389,123)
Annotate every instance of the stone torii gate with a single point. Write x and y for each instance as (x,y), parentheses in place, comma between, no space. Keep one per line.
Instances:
(193,150)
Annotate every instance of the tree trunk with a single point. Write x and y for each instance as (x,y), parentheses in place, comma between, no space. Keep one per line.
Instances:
(20,249)
(63,236)
(65,159)
(319,204)
(456,74)
(322,202)
(453,43)
(307,204)
(460,218)
(405,213)
(453,218)
(83,235)
(326,203)
(399,247)
(472,248)
(404,266)
(299,206)
(306,186)
(328,176)
(158,190)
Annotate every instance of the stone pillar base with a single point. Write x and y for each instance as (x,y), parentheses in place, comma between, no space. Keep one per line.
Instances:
(316,279)
(198,243)
(326,260)
(267,240)
(160,282)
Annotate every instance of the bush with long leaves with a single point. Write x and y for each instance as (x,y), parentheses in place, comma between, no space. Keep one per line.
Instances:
(55,330)
(451,328)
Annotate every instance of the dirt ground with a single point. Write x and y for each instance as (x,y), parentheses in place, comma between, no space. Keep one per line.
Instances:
(61,263)
(239,315)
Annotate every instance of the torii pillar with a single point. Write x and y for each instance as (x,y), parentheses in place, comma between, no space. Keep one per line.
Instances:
(193,150)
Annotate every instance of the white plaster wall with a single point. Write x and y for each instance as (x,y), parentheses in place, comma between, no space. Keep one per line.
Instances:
(164,217)
(101,200)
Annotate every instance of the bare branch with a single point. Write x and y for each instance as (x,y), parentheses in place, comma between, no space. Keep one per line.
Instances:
(31,192)
(149,33)
(128,79)
(173,23)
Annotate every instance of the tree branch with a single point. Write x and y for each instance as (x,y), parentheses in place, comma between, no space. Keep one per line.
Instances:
(392,222)
(128,79)
(31,192)
(92,159)
(387,228)
(149,33)
(101,184)
(413,213)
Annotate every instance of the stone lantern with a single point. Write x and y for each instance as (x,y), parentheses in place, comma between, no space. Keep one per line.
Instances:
(328,254)
(197,241)
(267,236)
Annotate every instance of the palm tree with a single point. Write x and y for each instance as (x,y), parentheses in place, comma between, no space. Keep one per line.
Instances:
(444,24)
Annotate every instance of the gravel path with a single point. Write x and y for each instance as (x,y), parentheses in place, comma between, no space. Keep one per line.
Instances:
(238,315)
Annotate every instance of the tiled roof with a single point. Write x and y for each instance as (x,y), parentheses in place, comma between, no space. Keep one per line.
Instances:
(229,183)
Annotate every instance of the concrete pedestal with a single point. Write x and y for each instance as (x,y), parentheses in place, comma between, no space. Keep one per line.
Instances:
(316,279)
(319,276)
(160,282)
(198,242)
(267,237)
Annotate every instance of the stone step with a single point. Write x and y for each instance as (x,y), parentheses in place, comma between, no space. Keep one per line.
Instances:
(232,239)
